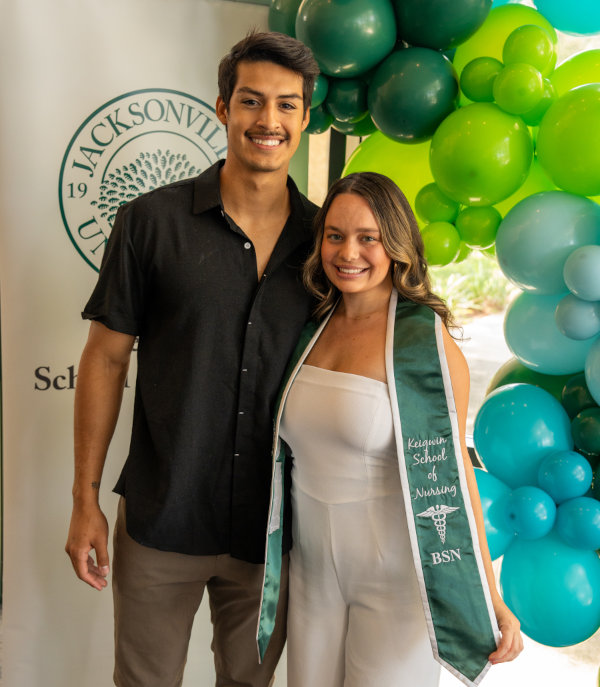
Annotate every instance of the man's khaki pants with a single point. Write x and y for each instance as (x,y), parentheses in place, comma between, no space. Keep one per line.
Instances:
(156,595)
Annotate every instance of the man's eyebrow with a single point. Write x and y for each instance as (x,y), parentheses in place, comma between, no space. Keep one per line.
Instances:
(252,91)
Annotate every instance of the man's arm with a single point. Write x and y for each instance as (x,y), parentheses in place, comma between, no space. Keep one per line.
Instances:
(100,381)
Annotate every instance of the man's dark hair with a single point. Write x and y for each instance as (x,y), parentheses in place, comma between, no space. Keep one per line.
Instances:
(269,47)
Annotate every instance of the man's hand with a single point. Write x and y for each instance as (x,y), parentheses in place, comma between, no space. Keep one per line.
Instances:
(89,531)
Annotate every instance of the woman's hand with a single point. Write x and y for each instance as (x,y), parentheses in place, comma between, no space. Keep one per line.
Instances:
(511,643)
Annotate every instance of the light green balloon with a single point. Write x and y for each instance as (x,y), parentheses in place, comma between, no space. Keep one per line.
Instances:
(537,181)
(405,163)
(518,88)
(578,70)
(533,45)
(480,155)
(478,227)
(442,243)
(489,39)
(477,79)
(568,142)
(534,116)
(432,205)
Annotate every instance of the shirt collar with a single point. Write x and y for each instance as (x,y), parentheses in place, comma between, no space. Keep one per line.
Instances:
(207,195)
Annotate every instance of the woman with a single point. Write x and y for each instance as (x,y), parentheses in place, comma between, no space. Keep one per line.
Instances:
(389,545)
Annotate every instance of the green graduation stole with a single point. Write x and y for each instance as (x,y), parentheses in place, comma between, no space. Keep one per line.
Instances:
(445,547)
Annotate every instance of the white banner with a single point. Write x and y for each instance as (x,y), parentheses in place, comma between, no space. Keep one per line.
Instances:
(100,101)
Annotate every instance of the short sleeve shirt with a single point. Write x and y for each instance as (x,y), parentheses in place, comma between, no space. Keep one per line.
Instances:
(213,345)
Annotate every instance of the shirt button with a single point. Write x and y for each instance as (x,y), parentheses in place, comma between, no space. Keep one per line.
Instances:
(247,245)
(244,369)
(241,412)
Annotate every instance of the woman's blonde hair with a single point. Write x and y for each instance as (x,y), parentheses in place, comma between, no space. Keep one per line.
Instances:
(400,237)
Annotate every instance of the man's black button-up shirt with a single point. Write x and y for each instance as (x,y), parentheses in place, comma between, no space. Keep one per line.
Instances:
(213,345)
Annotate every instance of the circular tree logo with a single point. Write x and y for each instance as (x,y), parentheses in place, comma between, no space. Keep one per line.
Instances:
(131,145)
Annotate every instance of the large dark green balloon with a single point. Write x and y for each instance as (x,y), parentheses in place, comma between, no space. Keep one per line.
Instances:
(513,372)
(347,99)
(439,24)
(412,92)
(282,16)
(347,37)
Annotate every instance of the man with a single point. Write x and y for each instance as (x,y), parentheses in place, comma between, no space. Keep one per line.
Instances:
(206,273)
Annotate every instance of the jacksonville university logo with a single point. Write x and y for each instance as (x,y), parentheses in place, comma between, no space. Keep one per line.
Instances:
(132,144)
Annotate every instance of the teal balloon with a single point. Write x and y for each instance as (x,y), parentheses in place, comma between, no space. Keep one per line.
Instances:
(494,495)
(582,273)
(576,16)
(411,93)
(319,91)
(530,512)
(516,428)
(578,319)
(553,589)
(347,37)
(440,24)
(578,523)
(480,155)
(347,99)
(282,16)
(538,235)
(576,396)
(592,371)
(477,79)
(514,372)
(585,428)
(320,120)
(533,336)
(565,475)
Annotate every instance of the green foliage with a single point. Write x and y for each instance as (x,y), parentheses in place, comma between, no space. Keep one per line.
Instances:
(473,287)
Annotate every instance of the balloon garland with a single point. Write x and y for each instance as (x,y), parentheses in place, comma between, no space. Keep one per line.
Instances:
(496,147)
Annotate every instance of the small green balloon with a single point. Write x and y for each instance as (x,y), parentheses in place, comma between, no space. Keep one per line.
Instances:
(586,430)
(534,116)
(500,23)
(320,120)
(532,45)
(578,70)
(432,205)
(463,252)
(282,16)
(477,79)
(319,90)
(518,88)
(347,99)
(364,127)
(442,243)
(576,396)
(480,155)
(478,226)
(514,372)
(347,37)
(412,91)
(568,142)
